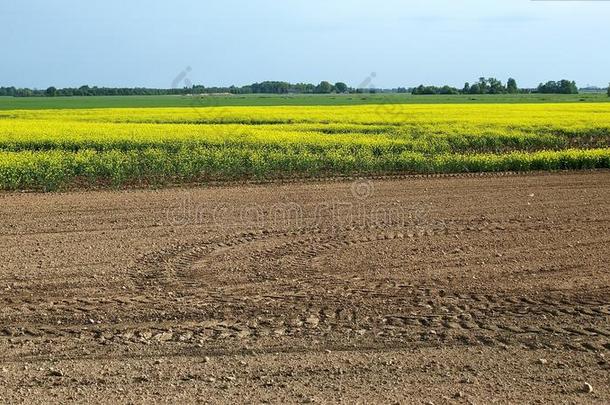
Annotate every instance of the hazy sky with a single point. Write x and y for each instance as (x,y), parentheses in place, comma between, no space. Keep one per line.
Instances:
(405,42)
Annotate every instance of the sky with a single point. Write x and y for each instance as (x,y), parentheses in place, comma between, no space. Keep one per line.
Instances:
(381,43)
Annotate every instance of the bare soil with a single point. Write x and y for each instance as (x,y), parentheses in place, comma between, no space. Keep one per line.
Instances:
(461,289)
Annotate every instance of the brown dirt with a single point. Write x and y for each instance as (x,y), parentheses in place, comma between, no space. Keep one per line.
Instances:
(422,290)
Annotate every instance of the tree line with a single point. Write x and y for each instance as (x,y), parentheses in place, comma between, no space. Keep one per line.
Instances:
(482,86)
(494,86)
(267,87)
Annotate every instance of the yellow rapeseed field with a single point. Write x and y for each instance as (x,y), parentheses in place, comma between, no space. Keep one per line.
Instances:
(50,149)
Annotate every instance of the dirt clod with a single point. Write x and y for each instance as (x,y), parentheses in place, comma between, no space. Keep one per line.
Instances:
(587,388)
(56,373)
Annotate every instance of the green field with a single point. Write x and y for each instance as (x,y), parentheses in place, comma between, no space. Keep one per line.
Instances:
(17,103)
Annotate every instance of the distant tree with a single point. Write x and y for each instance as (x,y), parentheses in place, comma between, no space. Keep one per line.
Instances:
(269,87)
(8,91)
(511,86)
(341,87)
(608,89)
(83,91)
(561,87)
(324,87)
(429,90)
(483,88)
(423,90)
(448,90)
(51,92)
(476,88)
(304,88)
(466,88)
(495,86)
(568,87)
(23,93)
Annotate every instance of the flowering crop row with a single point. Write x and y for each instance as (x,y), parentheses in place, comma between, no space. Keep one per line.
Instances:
(54,149)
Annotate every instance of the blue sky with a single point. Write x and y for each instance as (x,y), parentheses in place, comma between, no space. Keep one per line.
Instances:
(405,42)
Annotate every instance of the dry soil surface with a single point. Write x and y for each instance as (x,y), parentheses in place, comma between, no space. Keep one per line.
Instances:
(465,289)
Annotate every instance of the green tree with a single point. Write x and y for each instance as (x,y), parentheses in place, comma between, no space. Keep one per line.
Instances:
(483,86)
(341,87)
(24,93)
(51,92)
(511,86)
(568,87)
(495,86)
(476,89)
(324,87)
(561,87)
(448,90)
(608,89)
